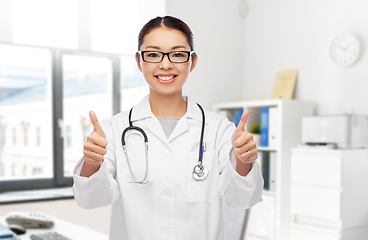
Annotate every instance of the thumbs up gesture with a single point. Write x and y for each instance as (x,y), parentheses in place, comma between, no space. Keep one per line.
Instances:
(95,147)
(245,148)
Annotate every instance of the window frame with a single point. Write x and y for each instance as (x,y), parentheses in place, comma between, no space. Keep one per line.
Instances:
(59,180)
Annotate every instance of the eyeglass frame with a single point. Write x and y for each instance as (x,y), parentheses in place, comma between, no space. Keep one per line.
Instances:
(168,57)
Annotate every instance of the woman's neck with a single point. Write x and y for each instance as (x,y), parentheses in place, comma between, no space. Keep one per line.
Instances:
(172,105)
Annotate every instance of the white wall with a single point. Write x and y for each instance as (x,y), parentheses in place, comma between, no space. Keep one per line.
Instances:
(289,34)
(218,40)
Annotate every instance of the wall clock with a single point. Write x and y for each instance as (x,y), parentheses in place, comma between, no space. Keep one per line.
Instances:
(345,50)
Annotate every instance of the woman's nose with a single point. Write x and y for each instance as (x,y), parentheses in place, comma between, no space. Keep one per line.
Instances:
(165,63)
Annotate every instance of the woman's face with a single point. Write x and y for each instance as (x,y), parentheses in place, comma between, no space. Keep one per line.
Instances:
(165,77)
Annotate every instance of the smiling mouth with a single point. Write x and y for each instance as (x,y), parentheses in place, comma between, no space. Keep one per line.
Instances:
(166,78)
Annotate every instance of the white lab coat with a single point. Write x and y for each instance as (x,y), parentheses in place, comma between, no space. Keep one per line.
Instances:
(172,205)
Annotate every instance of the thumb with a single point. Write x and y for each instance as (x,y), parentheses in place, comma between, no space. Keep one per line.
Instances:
(243,120)
(97,127)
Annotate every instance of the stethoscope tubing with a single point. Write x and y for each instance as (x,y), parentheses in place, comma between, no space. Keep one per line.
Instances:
(198,175)
(131,127)
(200,159)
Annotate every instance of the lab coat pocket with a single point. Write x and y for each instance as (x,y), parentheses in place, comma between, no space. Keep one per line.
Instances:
(135,161)
(204,190)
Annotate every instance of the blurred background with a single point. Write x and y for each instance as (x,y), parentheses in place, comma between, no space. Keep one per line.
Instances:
(60,59)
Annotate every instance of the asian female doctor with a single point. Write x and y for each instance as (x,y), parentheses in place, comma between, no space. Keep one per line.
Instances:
(172,186)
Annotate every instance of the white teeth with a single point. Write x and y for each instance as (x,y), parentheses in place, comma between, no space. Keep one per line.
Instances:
(165,78)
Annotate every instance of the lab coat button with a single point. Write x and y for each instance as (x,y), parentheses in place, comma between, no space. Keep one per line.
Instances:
(168,193)
(169,232)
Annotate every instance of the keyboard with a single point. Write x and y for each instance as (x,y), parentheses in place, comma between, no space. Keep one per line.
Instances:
(49,236)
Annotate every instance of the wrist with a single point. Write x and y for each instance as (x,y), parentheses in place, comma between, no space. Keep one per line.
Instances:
(92,165)
(240,161)
(243,168)
(89,169)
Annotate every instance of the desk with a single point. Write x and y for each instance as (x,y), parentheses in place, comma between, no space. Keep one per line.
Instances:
(70,230)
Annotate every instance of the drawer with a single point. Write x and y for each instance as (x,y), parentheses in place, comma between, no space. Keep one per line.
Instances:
(307,233)
(316,169)
(262,218)
(317,202)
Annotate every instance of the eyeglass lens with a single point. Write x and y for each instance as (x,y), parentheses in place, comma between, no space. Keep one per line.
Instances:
(156,57)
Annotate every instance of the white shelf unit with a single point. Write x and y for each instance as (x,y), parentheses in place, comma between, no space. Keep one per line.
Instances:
(270,218)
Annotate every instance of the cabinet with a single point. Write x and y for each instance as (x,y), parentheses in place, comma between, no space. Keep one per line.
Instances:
(270,218)
(329,199)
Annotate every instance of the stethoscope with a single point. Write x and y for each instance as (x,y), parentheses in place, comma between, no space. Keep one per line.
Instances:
(199,172)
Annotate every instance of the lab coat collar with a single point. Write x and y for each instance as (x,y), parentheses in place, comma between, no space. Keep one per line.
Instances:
(143,110)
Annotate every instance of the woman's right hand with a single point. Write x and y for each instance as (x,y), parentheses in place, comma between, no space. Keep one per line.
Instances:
(95,147)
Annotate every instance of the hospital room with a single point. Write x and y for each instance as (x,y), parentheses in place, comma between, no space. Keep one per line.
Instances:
(183,120)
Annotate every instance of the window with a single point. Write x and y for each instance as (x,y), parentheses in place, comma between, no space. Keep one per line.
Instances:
(38,137)
(14,136)
(25,100)
(2,169)
(46,93)
(47,109)
(36,171)
(133,85)
(86,132)
(13,168)
(2,134)
(25,136)
(87,85)
(68,137)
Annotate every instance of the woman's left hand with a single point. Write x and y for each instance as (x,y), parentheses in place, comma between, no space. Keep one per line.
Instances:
(245,148)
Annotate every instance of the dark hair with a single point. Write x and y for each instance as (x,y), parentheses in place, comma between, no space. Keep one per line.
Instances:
(169,22)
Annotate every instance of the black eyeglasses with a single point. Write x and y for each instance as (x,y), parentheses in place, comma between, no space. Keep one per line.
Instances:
(174,57)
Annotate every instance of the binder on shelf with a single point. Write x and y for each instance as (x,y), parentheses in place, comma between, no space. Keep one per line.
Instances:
(264,127)
(237,116)
(272,127)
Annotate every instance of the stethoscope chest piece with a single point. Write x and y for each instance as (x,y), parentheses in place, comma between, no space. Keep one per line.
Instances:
(200,172)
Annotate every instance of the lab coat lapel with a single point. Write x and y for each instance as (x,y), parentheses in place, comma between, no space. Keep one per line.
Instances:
(181,127)
(142,111)
(155,127)
(193,112)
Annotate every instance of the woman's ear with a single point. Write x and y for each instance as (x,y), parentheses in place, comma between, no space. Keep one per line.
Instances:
(138,59)
(194,62)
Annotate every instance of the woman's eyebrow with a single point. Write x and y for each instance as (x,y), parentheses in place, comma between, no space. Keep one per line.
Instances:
(173,48)
(150,46)
(178,46)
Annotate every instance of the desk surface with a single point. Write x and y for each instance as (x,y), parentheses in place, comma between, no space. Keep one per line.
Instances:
(35,195)
(70,230)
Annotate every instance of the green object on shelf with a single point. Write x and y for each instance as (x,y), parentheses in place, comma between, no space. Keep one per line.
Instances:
(255,128)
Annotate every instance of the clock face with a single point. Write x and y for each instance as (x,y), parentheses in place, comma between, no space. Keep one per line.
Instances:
(345,50)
